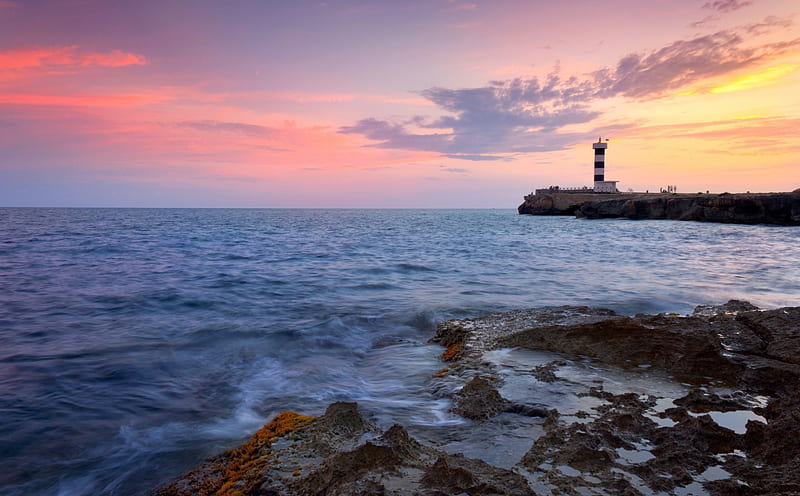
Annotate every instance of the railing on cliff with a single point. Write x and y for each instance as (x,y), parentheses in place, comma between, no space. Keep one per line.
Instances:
(559,189)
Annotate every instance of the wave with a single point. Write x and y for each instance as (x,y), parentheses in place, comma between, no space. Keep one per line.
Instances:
(408,267)
(373,286)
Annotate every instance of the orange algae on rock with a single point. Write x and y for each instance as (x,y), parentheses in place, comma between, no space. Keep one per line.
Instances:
(451,353)
(452,336)
(237,472)
(442,372)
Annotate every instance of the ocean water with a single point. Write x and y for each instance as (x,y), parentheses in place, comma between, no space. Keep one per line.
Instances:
(134,343)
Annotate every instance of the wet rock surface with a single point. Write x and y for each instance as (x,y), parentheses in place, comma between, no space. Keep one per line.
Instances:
(650,404)
(478,400)
(290,462)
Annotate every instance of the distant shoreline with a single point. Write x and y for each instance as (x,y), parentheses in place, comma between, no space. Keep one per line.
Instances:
(732,208)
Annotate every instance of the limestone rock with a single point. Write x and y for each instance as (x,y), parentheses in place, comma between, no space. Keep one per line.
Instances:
(763,208)
(558,203)
(478,400)
(755,354)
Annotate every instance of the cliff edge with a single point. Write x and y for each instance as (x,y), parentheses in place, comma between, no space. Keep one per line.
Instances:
(562,203)
(740,208)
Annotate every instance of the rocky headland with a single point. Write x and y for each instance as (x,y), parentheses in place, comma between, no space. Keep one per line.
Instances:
(739,208)
(705,403)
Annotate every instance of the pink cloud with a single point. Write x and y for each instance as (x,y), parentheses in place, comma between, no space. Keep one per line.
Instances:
(116,136)
(456,6)
(117,58)
(112,100)
(321,97)
(64,56)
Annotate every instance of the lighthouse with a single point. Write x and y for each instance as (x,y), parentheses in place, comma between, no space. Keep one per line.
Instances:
(600,183)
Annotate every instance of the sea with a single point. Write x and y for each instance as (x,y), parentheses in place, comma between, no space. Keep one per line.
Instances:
(134,343)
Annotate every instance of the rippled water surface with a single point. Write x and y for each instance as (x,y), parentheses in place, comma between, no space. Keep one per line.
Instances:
(137,342)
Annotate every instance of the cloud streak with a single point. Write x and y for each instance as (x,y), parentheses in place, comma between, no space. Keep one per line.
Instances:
(65,57)
(228,127)
(755,136)
(82,100)
(530,115)
(725,6)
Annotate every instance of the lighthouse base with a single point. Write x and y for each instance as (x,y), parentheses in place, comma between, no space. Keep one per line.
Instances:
(605,187)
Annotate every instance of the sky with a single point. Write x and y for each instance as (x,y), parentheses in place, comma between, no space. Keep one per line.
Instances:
(384,104)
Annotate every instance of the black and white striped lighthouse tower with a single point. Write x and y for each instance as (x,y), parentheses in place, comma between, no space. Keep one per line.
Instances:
(599,165)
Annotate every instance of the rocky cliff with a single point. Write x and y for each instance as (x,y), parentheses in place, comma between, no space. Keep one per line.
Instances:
(560,203)
(761,208)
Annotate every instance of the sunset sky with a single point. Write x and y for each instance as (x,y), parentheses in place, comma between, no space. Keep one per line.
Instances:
(435,103)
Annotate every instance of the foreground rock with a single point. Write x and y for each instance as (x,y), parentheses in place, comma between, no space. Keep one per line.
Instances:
(627,445)
(731,360)
(742,208)
(296,455)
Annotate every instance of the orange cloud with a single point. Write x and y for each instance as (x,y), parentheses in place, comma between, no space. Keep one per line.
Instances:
(747,135)
(66,56)
(758,79)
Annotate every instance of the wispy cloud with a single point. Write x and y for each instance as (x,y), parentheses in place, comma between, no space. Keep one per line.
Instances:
(396,136)
(228,127)
(719,7)
(751,135)
(65,56)
(530,115)
(255,136)
(477,158)
(725,6)
(456,5)
(83,100)
(769,24)
(685,62)
(317,97)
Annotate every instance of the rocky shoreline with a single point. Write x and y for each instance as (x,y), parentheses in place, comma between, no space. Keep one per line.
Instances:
(741,208)
(705,403)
